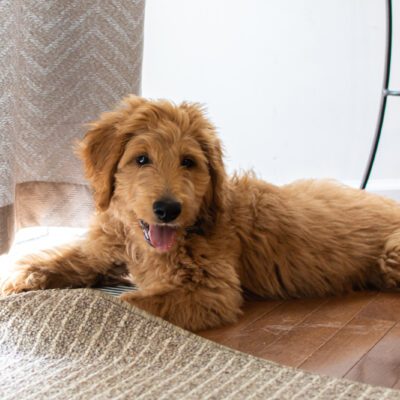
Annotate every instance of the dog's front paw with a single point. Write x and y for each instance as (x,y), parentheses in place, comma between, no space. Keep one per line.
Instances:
(24,279)
(169,306)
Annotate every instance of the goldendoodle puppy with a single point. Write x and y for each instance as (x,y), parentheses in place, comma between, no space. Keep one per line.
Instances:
(191,237)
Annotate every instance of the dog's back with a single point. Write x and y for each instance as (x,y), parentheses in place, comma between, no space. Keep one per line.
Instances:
(310,237)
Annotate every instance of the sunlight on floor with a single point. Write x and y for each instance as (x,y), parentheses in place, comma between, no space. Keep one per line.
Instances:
(31,240)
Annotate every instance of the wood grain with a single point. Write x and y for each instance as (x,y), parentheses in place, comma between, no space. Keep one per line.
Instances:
(342,351)
(356,336)
(386,354)
(252,311)
(314,331)
(385,306)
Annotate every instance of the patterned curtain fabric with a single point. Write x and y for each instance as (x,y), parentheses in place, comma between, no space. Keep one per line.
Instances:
(61,64)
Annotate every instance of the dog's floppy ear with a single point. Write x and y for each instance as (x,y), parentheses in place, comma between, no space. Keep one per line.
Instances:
(215,198)
(102,148)
(205,133)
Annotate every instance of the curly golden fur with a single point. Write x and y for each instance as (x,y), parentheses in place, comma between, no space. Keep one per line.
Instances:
(309,238)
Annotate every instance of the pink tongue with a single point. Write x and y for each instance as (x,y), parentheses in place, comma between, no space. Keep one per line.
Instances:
(162,237)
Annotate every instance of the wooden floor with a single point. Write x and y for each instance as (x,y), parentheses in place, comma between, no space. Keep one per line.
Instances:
(356,337)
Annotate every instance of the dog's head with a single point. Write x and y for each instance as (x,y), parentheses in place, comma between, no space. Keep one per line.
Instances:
(158,166)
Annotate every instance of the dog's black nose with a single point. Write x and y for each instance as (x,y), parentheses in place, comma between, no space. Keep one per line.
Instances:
(167,210)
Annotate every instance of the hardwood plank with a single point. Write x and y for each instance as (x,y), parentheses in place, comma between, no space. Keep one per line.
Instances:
(297,345)
(397,385)
(338,311)
(285,316)
(385,306)
(347,346)
(304,339)
(264,331)
(252,310)
(381,365)
(335,336)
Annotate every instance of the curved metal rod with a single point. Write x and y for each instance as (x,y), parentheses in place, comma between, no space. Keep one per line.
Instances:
(385,93)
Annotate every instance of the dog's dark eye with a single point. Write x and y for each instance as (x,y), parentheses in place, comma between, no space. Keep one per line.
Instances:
(187,163)
(142,160)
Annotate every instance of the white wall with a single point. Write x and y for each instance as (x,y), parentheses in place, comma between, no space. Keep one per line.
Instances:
(293,86)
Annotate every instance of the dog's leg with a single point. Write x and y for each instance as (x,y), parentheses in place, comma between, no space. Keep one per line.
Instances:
(389,264)
(194,310)
(69,266)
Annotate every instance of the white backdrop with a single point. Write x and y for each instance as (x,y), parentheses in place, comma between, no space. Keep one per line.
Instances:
(293,86)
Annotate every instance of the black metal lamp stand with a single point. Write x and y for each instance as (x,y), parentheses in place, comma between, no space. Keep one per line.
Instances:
(386,92)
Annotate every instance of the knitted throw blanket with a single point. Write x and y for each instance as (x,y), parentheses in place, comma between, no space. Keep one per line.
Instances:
(85,344)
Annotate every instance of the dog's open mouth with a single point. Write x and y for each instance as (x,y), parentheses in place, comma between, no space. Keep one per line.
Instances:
(161,237)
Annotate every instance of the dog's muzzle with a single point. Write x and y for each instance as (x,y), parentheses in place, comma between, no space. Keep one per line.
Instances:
(163,237)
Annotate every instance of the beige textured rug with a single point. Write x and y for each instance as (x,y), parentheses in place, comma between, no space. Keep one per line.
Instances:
(84,344)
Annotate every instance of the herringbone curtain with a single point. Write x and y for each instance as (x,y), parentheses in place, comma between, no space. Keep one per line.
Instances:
(61,64)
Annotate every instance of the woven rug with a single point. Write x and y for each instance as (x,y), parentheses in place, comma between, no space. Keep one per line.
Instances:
(86,344)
